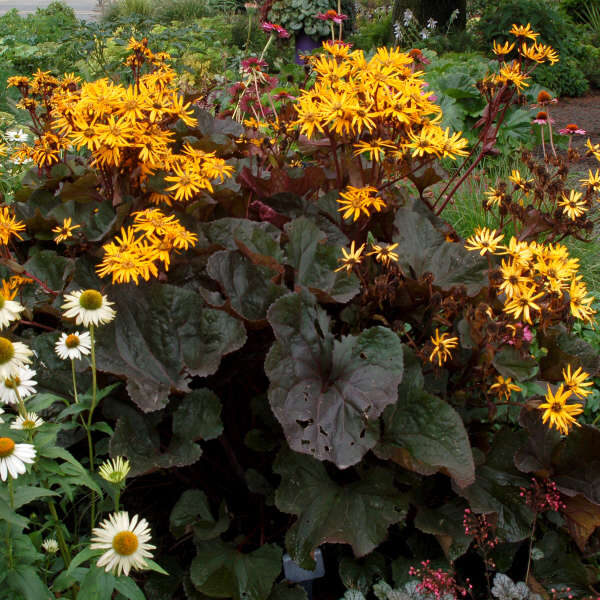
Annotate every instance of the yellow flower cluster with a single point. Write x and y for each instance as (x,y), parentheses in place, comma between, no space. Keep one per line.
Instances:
(516,72)
(125,127)
(150,240)
(556,410)
(380,105)
(536,277)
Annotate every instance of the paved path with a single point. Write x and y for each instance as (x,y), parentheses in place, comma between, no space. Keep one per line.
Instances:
(84,9)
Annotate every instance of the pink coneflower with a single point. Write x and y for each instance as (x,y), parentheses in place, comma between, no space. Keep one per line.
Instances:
(544,98)
(283,96)
(253,64)
(332,15)
(543,118)
(418,56)
(572,129)
(274,28)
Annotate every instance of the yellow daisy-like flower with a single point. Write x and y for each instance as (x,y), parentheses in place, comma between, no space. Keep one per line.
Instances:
(502,50)
(9,226)
(592,181)
(523,31)
(521,305)
(576,382)
(350,259)
(580,301)
(442,344)
(384,254)
(356,201)
(484,240)
(504,387)
(494,197)
(520,183)
(512,278)
(64,231)
(556,409)
(573,206)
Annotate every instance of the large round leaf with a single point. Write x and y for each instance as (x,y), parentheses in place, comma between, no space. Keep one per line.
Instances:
(328,393)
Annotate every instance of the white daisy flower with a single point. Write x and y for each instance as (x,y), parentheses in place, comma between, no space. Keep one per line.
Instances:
(9,311)
(88,307)
(73,345)
(50,546)
(115,470)
(29,422)
(13,457)
(125,542)
(13,356)
(17,136)
(21,382)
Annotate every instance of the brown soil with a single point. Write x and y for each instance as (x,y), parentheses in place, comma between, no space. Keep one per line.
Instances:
(585,112)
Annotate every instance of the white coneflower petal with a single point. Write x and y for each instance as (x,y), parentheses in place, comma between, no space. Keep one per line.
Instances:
(1,413)
(13,356)
(21,382)
(73,345)
(10,311)
(115,470)
(50,545)
(125,542)
(13,457)
(88,307)
(29,422)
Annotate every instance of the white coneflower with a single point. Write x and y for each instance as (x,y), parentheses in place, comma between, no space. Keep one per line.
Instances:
(22,382)
(29,422)
(13,457)
(50,546)
(9,311)
(73,345)
(13,356)
(115,470)
(125,542)
(88,307)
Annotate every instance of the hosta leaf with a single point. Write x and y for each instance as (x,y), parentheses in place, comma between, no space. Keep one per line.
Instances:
(428,428)
(248,286)
(315,263)
(357,513)
(220,571)
(423,249)
(161,336)
(328,393)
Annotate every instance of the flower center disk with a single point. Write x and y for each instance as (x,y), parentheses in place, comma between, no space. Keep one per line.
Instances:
(90,300)
(72,341)
(7,350)
(124,543)
(7,447)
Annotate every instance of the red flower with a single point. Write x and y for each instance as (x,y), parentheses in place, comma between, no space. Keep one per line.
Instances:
(274,28)
(572,129)
(332,15)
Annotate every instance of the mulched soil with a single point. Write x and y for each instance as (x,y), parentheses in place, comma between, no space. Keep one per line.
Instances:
(585,112)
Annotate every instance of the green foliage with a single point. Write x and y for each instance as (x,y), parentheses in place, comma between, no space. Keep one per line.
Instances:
(576,9)
(565,78)
(299,16)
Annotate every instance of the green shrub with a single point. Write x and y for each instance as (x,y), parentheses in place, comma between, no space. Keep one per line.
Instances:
(565,78)
(374,33)
(576,9)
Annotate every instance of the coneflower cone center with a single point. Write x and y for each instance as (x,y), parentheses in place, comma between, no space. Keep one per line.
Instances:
(125,543)
(7,447)
(72,341)
(90,300)
(7,350)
